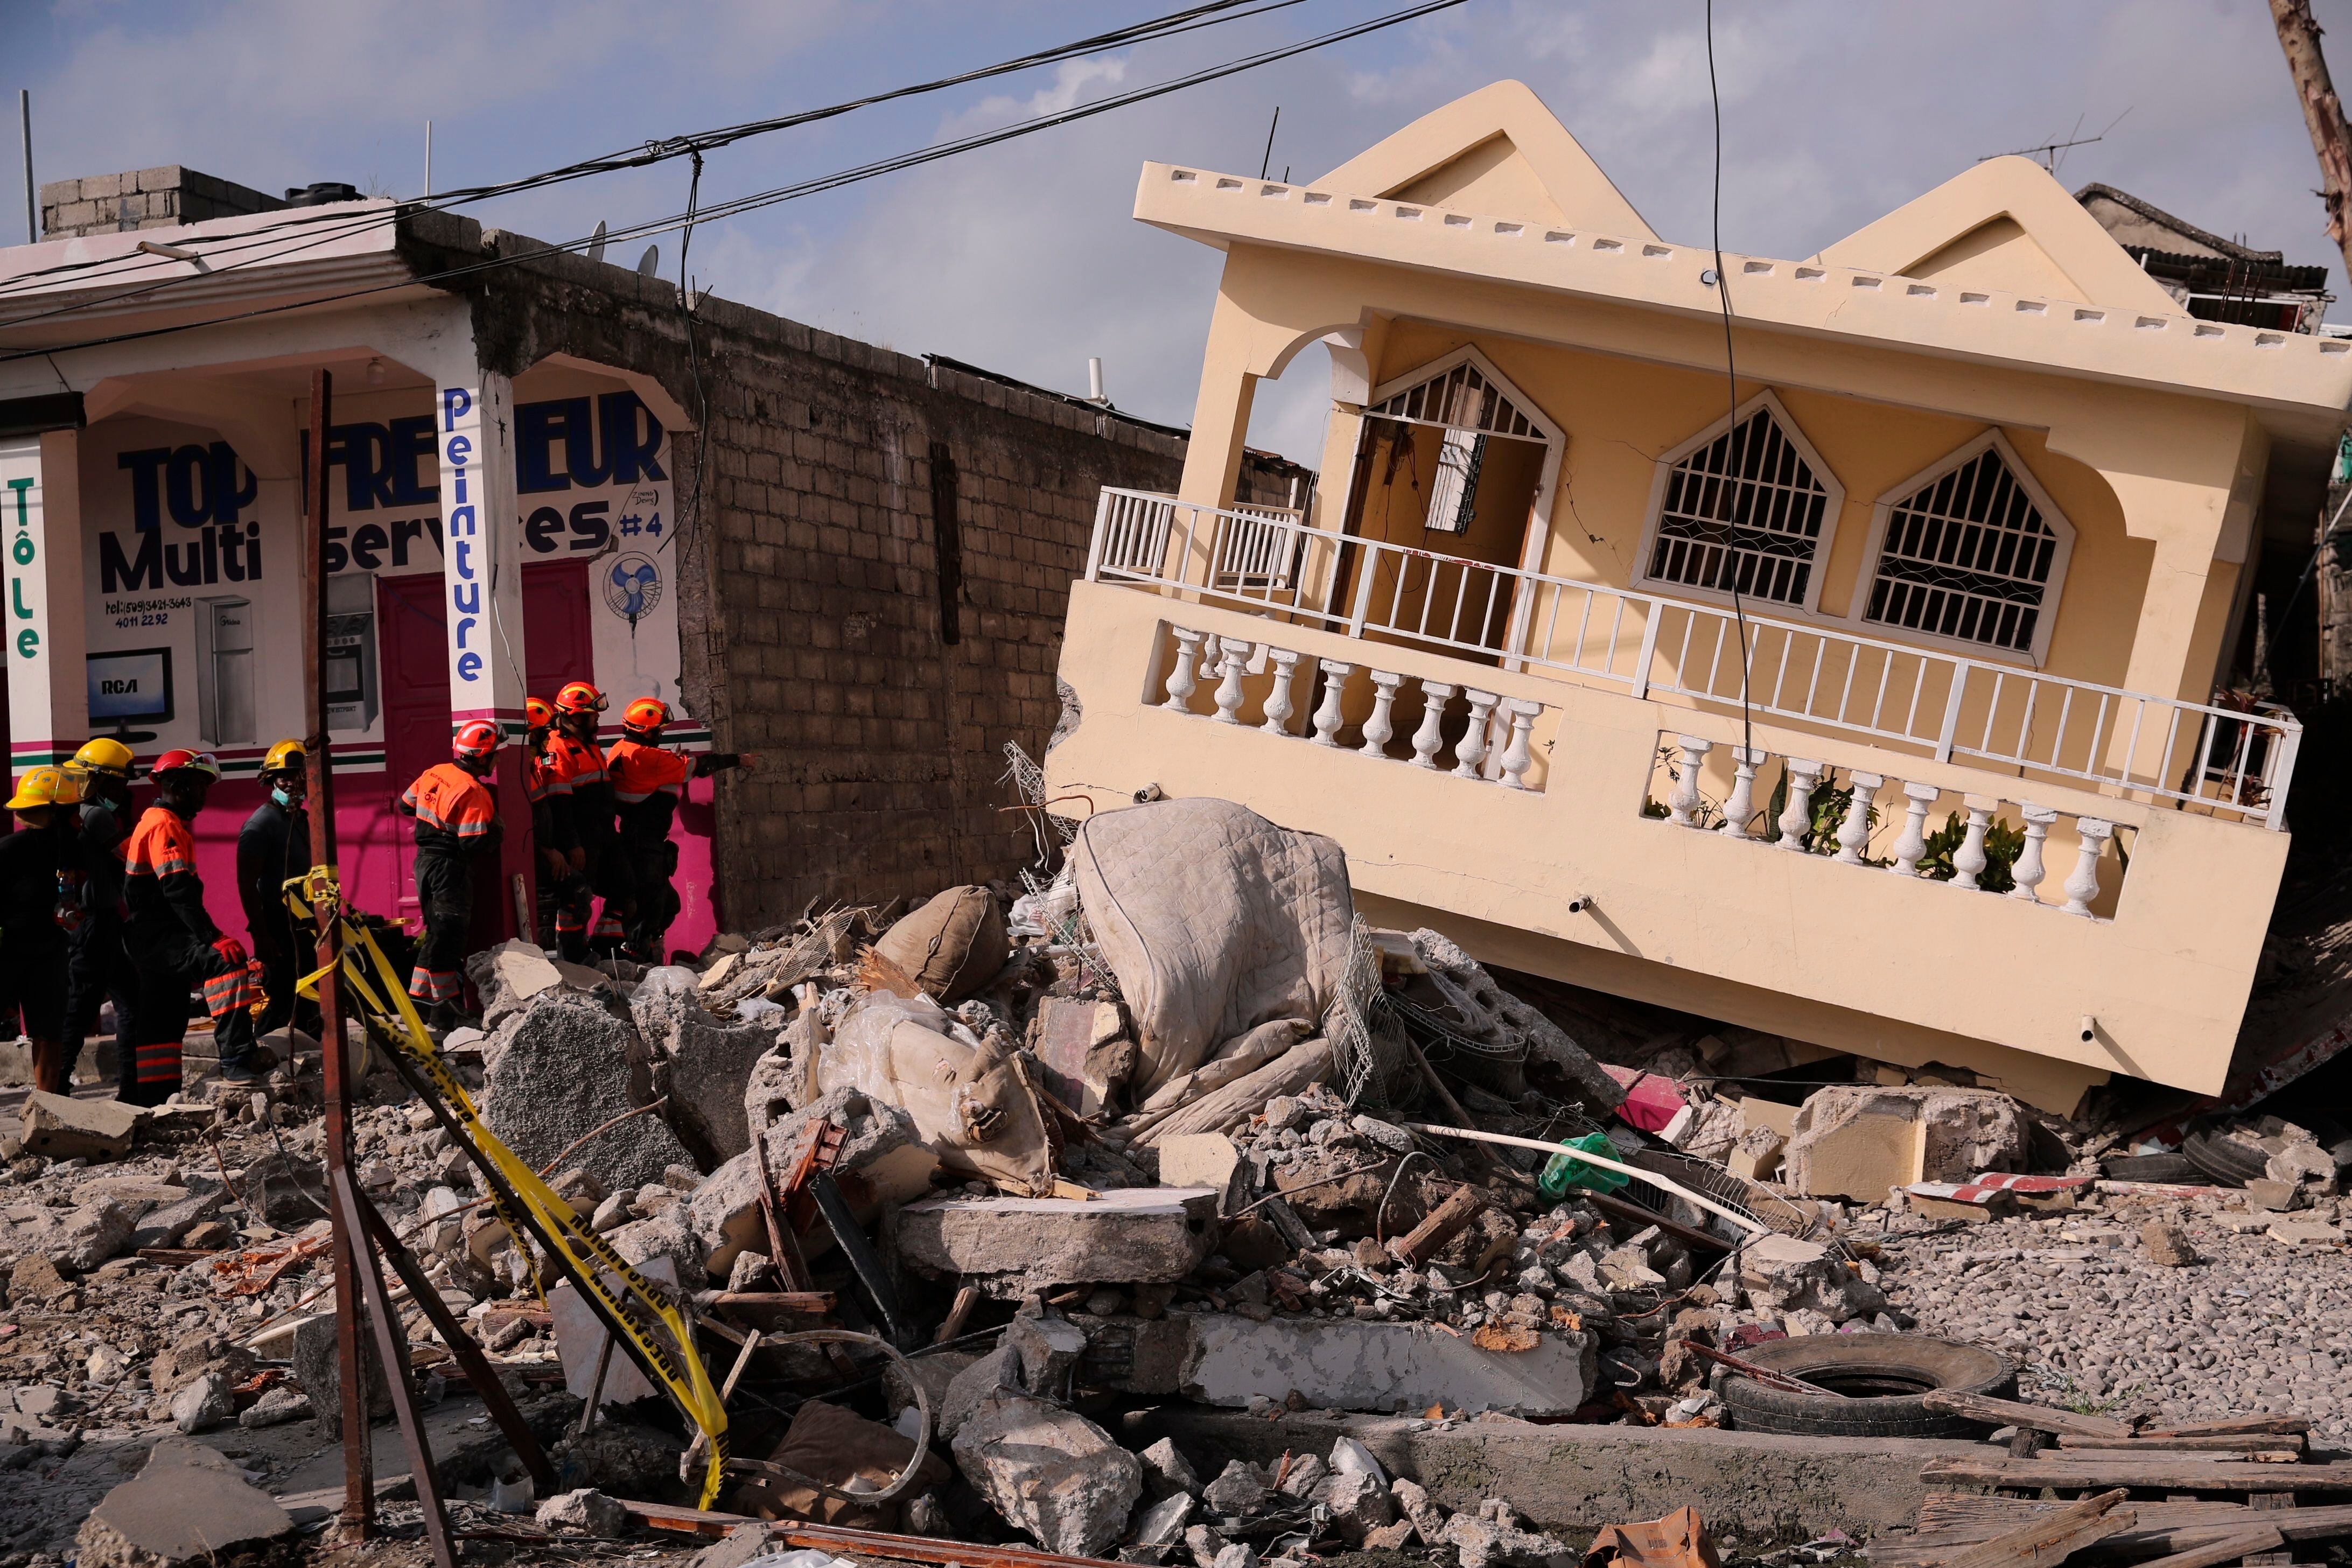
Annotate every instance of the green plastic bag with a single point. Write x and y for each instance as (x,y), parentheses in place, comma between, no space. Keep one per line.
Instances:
(1566,1172)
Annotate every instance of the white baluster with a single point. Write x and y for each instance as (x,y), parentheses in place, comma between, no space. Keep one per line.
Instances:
(1797,816)
(1970,861)
(1742,803)
(1427,739)
(1913,842)
(1377,729)
(2028,869)
(1516,755)
(1326,717)
(2084,884)
(1180,684)
(1682,806)
(1277,701)
(1471,750)
(1230,656)
(1854,833)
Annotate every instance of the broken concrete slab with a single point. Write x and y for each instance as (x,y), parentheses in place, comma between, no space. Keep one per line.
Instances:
(76,1240)
(59,1127)
(703,1061)
(188,1503)
(169,1222)
(507,976)
(1784,1273)
(1357,1364)
(581,1337)
(203,1402)
(882,1160)
(2305,1233)
(194,1353)
(1013,1247)
(1050,1472)
(560,1068)
(1206,1160)
(583,1511)
(1050,1350)
(318,1372)
(1859,1141)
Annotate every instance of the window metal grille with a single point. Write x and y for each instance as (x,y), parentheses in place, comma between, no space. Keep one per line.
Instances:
(1454,496)
(1745,510)
(1461,399)
(1968,556)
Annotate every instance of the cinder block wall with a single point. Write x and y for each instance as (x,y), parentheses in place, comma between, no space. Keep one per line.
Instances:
(809,578)
(144,198)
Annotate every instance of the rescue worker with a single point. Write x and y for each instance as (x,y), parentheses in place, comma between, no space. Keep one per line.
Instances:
(173,943)
(559,888)
(456,819)
(273,846)
(98,970)
(39,883)
(648,784)
(585,817)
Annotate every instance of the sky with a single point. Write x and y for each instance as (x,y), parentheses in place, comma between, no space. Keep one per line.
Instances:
(1024,258)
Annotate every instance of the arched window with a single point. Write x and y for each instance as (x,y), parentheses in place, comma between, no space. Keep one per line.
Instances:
(1971,551)
(1746,503)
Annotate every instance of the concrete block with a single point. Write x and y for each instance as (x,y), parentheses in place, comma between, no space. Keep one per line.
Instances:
(1784,1273)
(57,1127)
(1050,1471)
(1856,1142)
(1011,1247)
(186,1504)
(168,1223)
(1343,1364)
(580,1336)
(507,976)
(1768,1113)
(1198,1160)
(561,1066)
(881,1162)
(2305,1233)
(1083,1049)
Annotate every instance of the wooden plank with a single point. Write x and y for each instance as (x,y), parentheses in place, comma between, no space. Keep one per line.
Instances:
(2041,1542)
(2272,1503)
(2269,1443)
(2235,1425)
(2229,1549)
(2241,1450)
(2011,1413)
(2160,1471)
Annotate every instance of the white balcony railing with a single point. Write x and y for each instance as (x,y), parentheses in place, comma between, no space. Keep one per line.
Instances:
(1946,705)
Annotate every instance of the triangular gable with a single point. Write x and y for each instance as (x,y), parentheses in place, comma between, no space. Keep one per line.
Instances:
(1497,151)
(2005,226)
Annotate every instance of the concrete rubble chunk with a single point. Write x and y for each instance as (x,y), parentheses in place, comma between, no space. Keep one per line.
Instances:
(194,1353)
(999,1370)
(1360,1503)
(881,1162)
(1481,1010)
(1784,1273)
(1083,1051)
(1240,1488)
(187,1504)
(1418,1510)
(1050,1350)
(2276,1196)
(168,1223)
(1164,1467)
(557,1069)
(1356,1364)
(203,1402)
(78,1239)
(2305,1233)
(507,976)
(1304,1478)
(704,1060)
(584,1510)
(1013,1246)
(1198,1160)
(319,1374)
(1857,1142)
(1492,1538)
(580,1337)
(1163,1523)
(276,1407)
(970,1096)
(1051,1472)
(2168,1244)
(59,1127)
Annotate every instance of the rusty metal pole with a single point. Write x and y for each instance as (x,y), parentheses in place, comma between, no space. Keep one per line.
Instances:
(359,1482)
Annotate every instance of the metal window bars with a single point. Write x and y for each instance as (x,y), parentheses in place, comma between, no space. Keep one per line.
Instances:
(1460,398)
(1745,510)
(1967,556)
(1946,705)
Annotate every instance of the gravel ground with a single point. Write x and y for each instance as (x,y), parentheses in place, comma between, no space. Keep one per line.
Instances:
(2254,1325)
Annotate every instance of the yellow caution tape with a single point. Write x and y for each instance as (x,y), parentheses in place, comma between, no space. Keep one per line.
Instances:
(388,1013)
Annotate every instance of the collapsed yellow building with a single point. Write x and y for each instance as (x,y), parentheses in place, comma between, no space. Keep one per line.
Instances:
(1985,492)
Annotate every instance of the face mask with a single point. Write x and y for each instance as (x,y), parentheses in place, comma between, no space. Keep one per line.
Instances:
(280,794)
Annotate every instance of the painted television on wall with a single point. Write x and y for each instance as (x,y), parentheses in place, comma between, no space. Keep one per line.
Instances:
(129,687)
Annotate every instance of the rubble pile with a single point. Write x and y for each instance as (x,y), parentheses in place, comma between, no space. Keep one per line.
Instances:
(1171,1126)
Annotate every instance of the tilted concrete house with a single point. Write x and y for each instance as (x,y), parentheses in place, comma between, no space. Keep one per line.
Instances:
(1985,492)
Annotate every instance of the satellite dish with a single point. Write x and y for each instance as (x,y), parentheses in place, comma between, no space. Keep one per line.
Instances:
(596,242)
(649,261)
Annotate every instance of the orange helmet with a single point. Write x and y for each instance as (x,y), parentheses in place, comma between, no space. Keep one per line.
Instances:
(182,760)
(540,711)
(647,714)
(476,739)
(579,697)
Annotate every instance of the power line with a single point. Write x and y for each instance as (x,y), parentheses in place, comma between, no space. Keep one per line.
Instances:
(1174,23)
(1731,378)
(815,185)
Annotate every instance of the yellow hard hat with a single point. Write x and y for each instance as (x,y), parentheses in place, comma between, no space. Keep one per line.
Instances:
(105,756)
(284,757)
(46,786)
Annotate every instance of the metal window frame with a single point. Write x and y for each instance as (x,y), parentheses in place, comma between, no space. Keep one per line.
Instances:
(1662,480)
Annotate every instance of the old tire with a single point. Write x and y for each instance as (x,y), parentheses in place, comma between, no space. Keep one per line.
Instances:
(1888,1375)
(2228,1162)
(2153,1168)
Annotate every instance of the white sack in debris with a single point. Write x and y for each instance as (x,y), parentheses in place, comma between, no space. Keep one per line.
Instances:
(972,1102)
(1214,922)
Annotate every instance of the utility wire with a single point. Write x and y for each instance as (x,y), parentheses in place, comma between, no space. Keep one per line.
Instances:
(1731,379)
(1174,23)
(933,154)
